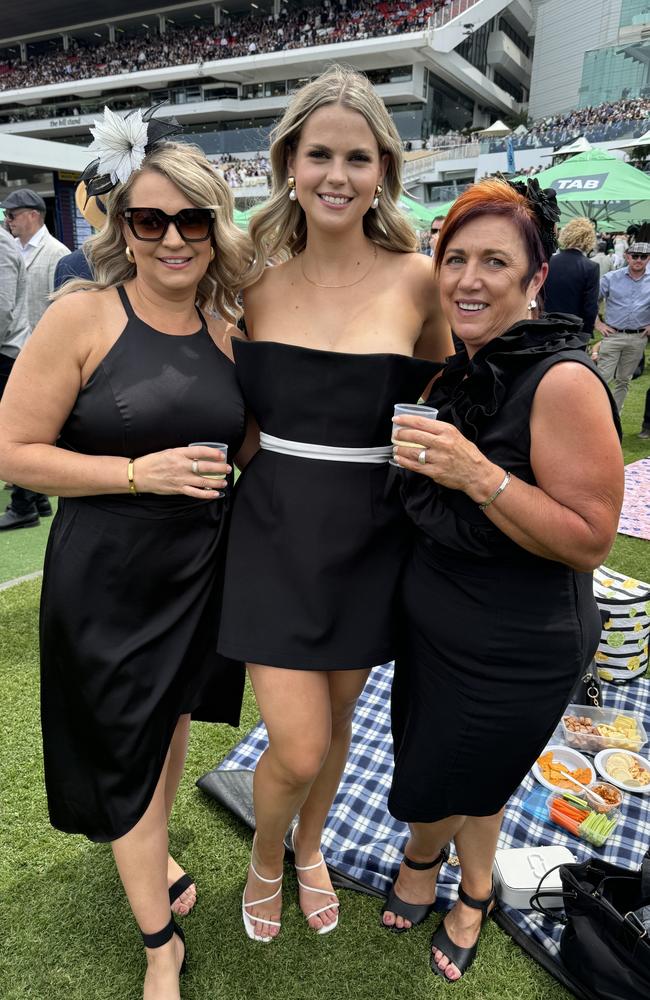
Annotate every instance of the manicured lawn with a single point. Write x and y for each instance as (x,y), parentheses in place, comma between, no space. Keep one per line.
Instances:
(67,931)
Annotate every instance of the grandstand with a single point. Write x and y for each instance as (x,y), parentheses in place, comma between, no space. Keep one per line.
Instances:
(227,69)
(445,68)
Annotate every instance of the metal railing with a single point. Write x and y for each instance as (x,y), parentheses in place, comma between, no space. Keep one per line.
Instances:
(416,167)
(447,192)
(424,164)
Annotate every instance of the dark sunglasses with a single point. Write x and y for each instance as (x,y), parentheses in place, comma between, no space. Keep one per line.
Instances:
(639,256)
(435,230)
(194,225)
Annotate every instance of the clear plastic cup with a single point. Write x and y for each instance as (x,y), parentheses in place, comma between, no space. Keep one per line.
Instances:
(220,477)
(405,410)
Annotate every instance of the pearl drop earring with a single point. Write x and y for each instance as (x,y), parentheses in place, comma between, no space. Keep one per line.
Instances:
(375,200)
(532,305)
(291,184)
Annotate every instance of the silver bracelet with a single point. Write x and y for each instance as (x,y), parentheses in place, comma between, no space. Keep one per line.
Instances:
(497,492)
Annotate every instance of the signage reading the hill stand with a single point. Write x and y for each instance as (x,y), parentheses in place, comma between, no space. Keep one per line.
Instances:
(589,182)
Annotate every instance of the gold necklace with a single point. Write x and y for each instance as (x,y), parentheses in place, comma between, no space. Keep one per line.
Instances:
(349,283)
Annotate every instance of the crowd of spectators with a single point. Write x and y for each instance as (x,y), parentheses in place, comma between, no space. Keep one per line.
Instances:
(295,27)
(608,113)
(607,121)
(238,172)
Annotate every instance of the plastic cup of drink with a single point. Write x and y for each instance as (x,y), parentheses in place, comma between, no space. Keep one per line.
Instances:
(219,477)
(410,410)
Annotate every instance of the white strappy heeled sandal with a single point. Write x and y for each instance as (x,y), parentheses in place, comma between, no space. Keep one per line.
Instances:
(326,928)
(250,922)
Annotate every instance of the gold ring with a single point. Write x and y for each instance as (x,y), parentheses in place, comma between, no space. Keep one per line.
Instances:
(422,457)
(195,467)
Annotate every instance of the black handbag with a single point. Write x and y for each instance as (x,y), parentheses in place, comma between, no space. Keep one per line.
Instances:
(605,944)
(587,691)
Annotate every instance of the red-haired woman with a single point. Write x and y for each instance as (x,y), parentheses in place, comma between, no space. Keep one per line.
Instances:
(515,496)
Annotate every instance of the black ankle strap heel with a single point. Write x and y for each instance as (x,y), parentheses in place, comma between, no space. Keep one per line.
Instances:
(423,866)
(417,913)
(462,958)
(160,938)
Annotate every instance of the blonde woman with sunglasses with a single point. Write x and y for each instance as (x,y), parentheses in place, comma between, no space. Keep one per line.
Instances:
(121,378)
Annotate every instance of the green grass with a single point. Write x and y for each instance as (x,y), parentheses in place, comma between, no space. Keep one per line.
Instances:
(67,929)
(22,551)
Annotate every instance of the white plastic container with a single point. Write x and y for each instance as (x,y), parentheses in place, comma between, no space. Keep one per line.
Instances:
(590,742)
(518,870)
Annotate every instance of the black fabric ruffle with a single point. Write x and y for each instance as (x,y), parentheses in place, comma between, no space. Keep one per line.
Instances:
(474,388)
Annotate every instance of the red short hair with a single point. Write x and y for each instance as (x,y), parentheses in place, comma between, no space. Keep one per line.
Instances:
(494,197)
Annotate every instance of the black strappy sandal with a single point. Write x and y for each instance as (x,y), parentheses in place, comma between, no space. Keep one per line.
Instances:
(160,938)
(462,958)
(417,913)
(178,888)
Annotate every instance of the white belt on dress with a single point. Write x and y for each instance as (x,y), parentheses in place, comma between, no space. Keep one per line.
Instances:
(324,452)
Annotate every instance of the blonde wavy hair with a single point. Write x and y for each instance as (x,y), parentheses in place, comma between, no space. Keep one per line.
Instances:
(578,234)
(279,229)
(188,168)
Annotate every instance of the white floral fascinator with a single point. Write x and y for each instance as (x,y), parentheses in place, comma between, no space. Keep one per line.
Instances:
(121,144)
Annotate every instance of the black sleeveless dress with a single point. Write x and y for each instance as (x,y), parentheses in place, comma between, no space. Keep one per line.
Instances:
(132,585)
(493,638)
(316,546)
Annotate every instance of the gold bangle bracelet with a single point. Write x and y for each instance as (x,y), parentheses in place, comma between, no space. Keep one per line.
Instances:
(129,472)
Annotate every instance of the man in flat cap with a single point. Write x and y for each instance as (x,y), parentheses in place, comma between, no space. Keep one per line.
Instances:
(25,216)
(627,317)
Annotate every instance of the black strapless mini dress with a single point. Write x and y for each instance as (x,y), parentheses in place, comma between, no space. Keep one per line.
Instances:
(316,546)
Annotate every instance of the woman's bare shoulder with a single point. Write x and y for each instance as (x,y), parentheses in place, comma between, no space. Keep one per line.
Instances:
(82,303)
(272,277)
(419,265)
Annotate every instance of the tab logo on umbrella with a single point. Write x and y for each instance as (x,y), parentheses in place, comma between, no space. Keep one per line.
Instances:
(591,182)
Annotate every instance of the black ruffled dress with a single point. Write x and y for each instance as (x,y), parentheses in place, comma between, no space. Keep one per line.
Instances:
(493,638)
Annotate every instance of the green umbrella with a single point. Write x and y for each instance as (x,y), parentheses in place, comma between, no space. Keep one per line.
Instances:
(598,185)
(420,215)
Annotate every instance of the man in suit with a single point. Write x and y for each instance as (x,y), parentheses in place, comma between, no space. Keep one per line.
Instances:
(40,251)
(25,215)
(14,325)
(573,281)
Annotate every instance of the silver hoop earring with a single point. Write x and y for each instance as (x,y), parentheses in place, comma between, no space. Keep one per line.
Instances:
(291,184)
(375,200)
(532,305)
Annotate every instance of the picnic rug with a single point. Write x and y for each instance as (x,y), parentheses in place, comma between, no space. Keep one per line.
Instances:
(635,515)
(363,844)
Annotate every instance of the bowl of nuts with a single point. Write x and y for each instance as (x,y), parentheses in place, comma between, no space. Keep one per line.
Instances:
(594,729)
(611,797)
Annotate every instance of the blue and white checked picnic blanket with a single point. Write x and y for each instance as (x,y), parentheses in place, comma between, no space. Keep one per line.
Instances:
(363,842)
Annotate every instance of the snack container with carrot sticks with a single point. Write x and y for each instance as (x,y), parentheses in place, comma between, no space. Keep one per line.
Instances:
(579,814)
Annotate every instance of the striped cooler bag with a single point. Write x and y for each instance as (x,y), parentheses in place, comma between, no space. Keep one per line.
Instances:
(625,605)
